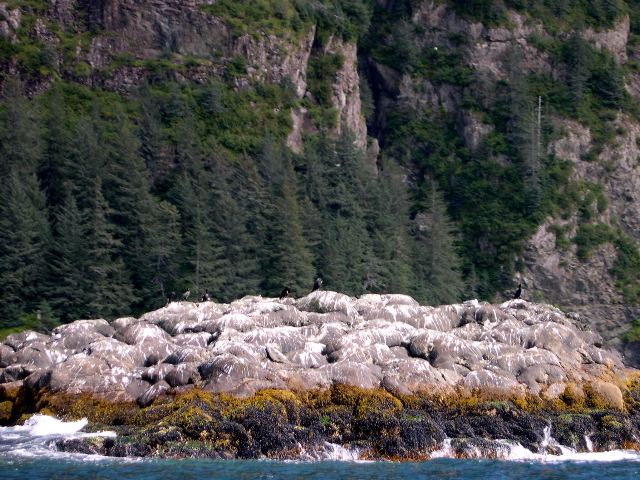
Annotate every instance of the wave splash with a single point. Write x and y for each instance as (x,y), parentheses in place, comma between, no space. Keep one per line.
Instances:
(513,451)
(37,437)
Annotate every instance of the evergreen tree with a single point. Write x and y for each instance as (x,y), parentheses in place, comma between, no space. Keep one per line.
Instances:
(24,228)
(55,168)
(25,239)
(340,186)
(239,215)
(200,249)
(519,105)
(579,61)
(20,130)
(87,160)
(163,252)
(287,260)
(134,211)
(392,242)
(151,135)
(110,292)
(607,81)
(436,264)
(70,285)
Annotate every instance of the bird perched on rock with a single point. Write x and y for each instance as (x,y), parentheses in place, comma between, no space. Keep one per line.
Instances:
(518,291)
(285,293)
(186,294)
(317,284)
(171,297)
(205,296)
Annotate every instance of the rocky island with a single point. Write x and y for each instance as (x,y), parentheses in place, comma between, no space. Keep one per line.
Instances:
(284,378)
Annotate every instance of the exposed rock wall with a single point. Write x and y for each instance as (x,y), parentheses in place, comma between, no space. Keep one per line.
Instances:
(146,30)
(552,274)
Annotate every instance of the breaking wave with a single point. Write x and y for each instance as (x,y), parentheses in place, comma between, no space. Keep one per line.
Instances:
(37,437)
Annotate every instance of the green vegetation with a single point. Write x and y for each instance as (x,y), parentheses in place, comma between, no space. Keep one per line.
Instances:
(112,201)
(566,14)
(633,334)
(263,16)
(346,18)
(496,204)
(41,321)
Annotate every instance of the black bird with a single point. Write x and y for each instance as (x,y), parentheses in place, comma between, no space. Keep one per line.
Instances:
(518,291)
(205,296)
(285,293)
(186,294)
(317,284)
(171,297)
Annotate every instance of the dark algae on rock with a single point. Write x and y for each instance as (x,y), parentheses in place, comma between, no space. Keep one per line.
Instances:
(379,375)
(282,424)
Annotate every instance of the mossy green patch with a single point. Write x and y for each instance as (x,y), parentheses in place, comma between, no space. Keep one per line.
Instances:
(96,410)
(6,411)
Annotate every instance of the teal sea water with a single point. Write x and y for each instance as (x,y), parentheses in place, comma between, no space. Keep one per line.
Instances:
(27,453)
(51,468)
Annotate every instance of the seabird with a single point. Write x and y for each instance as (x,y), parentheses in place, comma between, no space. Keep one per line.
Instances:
(285,293)
(205,296)
(518,291)
(171,297)
(317,284)
(186,294)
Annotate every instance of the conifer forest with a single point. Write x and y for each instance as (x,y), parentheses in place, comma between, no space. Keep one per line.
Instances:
(116,194)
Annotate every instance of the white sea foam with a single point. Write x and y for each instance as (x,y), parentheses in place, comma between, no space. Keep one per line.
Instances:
(38,435)
(330,451)
(512,451)
(41,425)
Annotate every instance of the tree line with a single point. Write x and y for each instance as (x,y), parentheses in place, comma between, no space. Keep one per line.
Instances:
(111,203)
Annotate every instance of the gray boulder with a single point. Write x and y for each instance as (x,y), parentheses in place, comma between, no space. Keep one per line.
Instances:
(322,301)
(226,372)
(16,372)
(200,339)
(320,340)
(18,340)
(183,374)
(83,374)
(6,353)
(77,336)
(112,349)
(287,339)
(37,354)
(306,358)
(188,354)
(140,332)
(152,393)
(352,373)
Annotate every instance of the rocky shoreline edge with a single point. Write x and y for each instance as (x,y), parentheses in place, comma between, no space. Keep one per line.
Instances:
(379,375)
(369,424)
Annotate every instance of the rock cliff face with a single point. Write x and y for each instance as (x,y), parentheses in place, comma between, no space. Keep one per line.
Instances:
(551,273)
(186,31)
(555,274)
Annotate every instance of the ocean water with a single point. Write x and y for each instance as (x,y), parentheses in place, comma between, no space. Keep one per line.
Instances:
(26,453)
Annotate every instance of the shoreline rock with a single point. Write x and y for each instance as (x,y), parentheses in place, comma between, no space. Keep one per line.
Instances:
(527,360)
(372,424)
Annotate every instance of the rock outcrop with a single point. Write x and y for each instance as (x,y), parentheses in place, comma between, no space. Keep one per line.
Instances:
(292,379)
(315,343)
(124,33)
